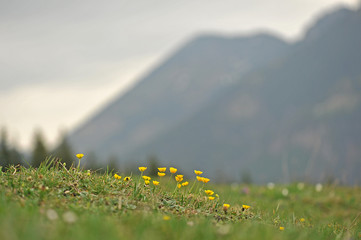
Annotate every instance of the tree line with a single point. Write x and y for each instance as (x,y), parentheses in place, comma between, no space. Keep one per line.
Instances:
(10,155)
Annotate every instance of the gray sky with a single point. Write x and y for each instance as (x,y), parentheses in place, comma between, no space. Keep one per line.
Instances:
(62,60)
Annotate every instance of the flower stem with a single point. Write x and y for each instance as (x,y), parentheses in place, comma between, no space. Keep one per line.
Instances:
(194,183)
(78,165)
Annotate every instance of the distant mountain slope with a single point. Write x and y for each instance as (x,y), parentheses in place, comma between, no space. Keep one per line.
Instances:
(297,119)
(174,91)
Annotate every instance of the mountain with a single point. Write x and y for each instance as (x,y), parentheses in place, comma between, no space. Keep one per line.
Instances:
(296,118)
(174,91)
(246,107)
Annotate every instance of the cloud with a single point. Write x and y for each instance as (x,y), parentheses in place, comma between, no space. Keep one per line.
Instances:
(61,41)
(54,107)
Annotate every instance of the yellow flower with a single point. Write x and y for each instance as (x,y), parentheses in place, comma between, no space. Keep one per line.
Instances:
(198,172)
(146,178)
(185,184)
(205,180)
(142,169)
(88,173)
(166,218)
(126,179)
(161,174)
(179,178)
(211,198)
(302,220)
(155,183)
(173,170)
(245,206)
(116,176)
(282,228)
(226,206)
(179,185)
(79,155)
(202,179)
(162,169)
(217,195)
(209,192)
(146,182)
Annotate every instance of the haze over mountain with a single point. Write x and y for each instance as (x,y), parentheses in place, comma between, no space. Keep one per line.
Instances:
(252,104)
(174,91)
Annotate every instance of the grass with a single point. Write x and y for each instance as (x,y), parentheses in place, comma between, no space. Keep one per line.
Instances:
(53,202)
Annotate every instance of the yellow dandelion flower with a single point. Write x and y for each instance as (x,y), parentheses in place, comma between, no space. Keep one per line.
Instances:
(79,155)
(116,176)
(179,185)
(226,206)
(198,172)
(211,198)
(162,169)
(185,184)
(161,174)
(146,178)
(166,218)
(302,220)
(282,228)
(173,170)
(155,183)
(126,179)
(205,180)
(245,206)
(146,182)
(209,192)
(179,178)
(200,179)
(142,169)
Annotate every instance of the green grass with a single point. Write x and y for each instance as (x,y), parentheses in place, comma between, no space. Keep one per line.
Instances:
(56,203)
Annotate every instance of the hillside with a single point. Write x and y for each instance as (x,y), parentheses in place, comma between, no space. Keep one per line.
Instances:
(246,107)
(297,119)
(174,91)
(56,203)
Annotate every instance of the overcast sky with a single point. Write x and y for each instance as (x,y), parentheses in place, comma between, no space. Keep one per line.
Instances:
(61,61)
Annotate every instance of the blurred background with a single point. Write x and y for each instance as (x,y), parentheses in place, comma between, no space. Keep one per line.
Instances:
(248,91)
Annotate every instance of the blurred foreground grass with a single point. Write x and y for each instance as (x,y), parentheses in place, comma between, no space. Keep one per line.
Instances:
(56,203)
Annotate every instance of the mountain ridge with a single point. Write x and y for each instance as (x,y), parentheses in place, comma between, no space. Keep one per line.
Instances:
(292,96)
(276,111)
(183,80)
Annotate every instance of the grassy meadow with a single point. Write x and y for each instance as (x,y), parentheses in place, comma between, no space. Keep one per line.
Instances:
(53,202)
